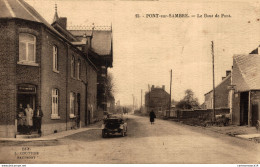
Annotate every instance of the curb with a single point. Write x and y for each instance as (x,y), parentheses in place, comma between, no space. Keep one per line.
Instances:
(50,137)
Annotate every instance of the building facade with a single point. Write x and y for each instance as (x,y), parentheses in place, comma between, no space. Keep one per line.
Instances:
(157,100)
(100,52)
(43,65)
(221,94)
(245,89)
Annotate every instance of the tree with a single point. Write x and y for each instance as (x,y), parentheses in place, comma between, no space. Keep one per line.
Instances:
(109,86)
(188,101)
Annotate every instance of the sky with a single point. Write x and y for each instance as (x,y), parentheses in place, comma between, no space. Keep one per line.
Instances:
(146,49)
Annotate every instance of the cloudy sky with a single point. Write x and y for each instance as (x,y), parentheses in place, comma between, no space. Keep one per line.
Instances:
(146,49)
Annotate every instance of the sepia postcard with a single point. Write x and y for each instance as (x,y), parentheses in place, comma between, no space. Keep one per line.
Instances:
(129,82)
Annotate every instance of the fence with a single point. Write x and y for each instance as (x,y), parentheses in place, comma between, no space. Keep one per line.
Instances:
(197,113)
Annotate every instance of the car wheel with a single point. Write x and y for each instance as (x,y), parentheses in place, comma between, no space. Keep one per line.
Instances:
(103,133)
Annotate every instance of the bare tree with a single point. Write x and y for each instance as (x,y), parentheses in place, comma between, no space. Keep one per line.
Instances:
(189,101)
(109,86)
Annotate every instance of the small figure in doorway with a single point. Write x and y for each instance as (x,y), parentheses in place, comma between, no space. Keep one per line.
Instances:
(29,115)
(21,114)
(38,119)
(21,119)
(152,116)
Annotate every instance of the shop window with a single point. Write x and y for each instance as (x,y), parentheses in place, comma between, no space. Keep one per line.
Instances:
(73,71)
(55,104)
(27,48)
(79,69)
(55,58)
(72,104)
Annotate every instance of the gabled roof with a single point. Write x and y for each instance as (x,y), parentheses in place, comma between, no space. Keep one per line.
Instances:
(64,32)
(223,81)
(256,51)
(249,68)
(19,9)
(22,10)
(101,41)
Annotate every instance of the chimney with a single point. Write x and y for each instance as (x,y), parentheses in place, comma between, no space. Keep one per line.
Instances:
(163,87)
(85,41)
(152,87)
(228,72)
(63,22)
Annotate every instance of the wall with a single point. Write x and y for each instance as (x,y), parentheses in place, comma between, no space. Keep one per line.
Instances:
(8,77)
(186,114)
(221,95)
(92,92)
(78,86)
(52,79)
(255,102)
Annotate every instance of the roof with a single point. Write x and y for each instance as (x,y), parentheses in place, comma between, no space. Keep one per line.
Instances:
(101,41)
(22,10)
(224,80)
(256,51)
(248,66)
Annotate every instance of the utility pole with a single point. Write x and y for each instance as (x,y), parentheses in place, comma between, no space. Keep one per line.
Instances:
(149,104)
(213,70)
(141,99)
(133,102)
(170,94)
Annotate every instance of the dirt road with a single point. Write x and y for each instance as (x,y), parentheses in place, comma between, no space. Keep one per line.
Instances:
(163,142)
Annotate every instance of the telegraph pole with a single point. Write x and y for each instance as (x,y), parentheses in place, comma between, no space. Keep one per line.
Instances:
(213,70)
(133,102)
(141,98)
(170,94)
(149,105)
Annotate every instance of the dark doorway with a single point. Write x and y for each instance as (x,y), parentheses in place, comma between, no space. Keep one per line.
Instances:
(255,113)
(78,116)
(24,99)
(244,108)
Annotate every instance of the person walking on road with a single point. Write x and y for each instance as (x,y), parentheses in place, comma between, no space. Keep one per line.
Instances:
(152,116)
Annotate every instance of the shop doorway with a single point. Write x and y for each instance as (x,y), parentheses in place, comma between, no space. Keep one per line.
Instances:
(25,99)
(26,94)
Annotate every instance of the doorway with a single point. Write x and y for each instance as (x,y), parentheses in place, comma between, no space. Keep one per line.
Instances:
(24,99)
(78,116)
(255,112)
(244,108)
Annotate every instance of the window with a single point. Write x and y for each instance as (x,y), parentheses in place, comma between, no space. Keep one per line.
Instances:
(27,48)
(73,66)
(55,58)
(79,70)
(55,103)
(72,104)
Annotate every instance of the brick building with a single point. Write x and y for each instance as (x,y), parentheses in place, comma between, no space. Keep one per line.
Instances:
(221,94)
(100,52)
(245,88)
(157,100)
(43,64)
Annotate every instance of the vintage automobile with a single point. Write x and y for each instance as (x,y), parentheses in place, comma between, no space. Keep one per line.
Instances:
(113,125)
